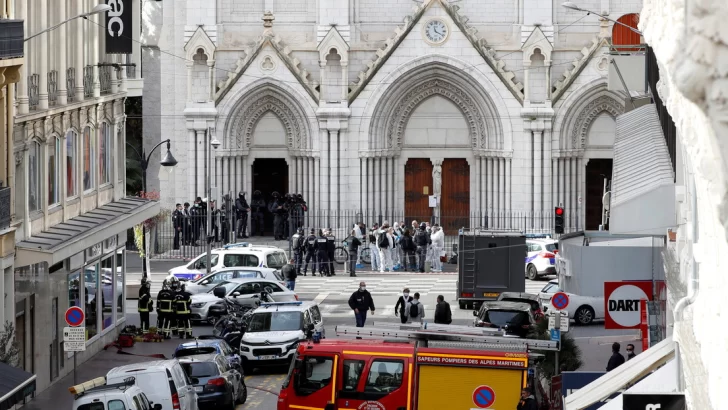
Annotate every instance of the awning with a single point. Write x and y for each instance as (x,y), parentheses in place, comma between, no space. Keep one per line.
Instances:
(664,380)
(643,187)
(630,372)
(15,385)
(77,234)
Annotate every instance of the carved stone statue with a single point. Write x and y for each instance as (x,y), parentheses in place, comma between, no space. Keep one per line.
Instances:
(437,177)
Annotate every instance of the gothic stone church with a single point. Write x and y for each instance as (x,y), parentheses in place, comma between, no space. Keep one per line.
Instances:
(357,104)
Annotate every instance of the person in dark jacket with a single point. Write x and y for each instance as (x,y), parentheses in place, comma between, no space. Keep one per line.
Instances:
(289,274)
(617,359)
(528,402)
(178,224)
(353,243)
(408,250)
(310,248)
(630,352)
(399,308)
(422,241)
(443,314)
(360,302)
(145,304)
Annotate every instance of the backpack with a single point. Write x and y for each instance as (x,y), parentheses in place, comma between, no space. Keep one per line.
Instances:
(414,310)
(383,242)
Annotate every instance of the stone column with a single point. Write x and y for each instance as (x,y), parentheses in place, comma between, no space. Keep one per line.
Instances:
(581,171)
(526,82)
(190,64)
(334,160)
(62,55)
(210,77)
(509,184)
(20,6)
(501,191)
(317,183)
(41,42)
(537,185)
(80,47)
(324,186)
(95,27)
(344,82)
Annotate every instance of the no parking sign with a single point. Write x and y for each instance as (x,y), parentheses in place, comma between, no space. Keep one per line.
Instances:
(483,397)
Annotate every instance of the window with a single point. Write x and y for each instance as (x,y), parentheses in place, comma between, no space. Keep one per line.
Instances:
(201,262)
(137,403)
(91,406)
(233,260)
(275,322)
(74,286)
(34,173)
(107,291)
(71,154)
(119,284)
(503,318)
(249,288)
(105,153)
(200,369)
(117,405)
(276,260)
(550,288)
(54,171)
(385,376)
(552,246)
(89,163)
(91,285)
(352,374)
(195,351)
(315,314)
(314,375)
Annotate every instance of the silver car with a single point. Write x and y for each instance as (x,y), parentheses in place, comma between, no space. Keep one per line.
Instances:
(244,290)
(209,281)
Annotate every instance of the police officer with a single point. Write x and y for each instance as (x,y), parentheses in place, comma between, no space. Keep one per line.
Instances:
(322,254)
(197,217)
(165,311)
(298,242)
(298,207)
(241,211)
(310,246)
(215,221)
(258,207)
(186,229)
(276,208)
(178,220)
(225,218)
(182,302)
(330,249)
(145,304)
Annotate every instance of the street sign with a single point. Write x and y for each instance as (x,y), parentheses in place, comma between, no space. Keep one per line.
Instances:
(75,316)
(74,346)
(560,301)
(74,334)
(563,324)
(483,397)
(555,335)
(622,303)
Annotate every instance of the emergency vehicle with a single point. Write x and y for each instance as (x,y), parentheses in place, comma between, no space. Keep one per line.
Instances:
(411,367)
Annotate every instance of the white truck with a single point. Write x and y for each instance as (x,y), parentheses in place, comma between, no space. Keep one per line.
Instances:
(96,394)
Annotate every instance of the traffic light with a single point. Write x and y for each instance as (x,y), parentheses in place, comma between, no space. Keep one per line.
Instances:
(559,220)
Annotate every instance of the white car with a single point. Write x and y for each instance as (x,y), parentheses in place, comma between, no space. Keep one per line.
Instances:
(207,282)
(275,330)
(541,257)
(236,255)
(245,291)
(582,309)
(163,381)
(97,393)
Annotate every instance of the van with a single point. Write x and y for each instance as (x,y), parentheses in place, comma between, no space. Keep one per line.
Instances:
(163,381)
(96,394)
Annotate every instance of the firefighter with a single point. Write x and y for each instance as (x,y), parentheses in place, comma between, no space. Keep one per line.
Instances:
(164,308)
(145,304)
(182,302)
(174,286)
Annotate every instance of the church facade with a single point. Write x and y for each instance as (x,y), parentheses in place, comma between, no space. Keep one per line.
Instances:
(491,108)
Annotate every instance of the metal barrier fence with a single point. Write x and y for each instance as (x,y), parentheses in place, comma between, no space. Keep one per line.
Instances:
(189,240)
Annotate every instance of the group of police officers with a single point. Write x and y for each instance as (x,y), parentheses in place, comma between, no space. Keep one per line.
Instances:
(173,308)
(318,249)
(285,209)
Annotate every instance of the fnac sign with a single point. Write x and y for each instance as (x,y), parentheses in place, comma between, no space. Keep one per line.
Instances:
(622,303)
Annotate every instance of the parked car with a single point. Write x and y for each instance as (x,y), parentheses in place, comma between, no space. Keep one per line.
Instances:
(237,255)
(514,317)
(582,309)
(245,291)
(97,394)
(541,257)
(210,346)
(212,279)
(522,297)
(163,381)
(217,384)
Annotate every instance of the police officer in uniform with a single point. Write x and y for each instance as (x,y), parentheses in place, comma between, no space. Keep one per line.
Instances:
(215,221)
(197,217)
(145,304)
(310,247)
(258,207)
(330,249)
(298,242)
(182,302)
(225,216)
(178,220)
(322,254)
(241,211)
(165,311)
(276,207)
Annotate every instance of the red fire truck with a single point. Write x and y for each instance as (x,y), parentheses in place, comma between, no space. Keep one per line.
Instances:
(405,367)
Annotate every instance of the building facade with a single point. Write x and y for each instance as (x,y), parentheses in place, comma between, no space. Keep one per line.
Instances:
(493,107)
(71,212)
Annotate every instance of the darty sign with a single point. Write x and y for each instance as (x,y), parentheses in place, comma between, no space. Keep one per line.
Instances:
(622,303)
(118,27)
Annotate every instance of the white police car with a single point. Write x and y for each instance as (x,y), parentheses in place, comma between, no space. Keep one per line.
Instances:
(274,331)
(235,255)
(541,257)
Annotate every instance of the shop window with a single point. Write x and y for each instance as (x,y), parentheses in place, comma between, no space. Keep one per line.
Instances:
(71,155)
(74,289)
(89,160)
(119,284)
(105,153)
(34,176)
(54,171)
(91,286)
(107,292)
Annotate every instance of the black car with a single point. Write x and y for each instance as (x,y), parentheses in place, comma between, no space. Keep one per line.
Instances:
(521,297)
(218,385)
(514,317)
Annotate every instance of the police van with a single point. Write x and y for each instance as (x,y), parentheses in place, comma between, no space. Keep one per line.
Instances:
(235,255)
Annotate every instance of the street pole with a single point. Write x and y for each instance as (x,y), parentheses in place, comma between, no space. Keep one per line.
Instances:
(209,197)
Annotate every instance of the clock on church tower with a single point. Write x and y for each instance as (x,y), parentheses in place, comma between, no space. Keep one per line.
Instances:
(436,31)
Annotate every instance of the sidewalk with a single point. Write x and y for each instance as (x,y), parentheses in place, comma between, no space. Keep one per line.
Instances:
(58,397)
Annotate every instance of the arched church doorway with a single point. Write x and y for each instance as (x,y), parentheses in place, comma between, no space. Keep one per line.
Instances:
(270,175)
(596,171)
(417,189)
(455,201)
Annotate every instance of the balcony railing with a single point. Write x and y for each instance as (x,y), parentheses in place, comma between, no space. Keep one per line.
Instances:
(4,208)
(11,38)
(53,87)
(105,79)
(88,81)
(71,84)
(33,91)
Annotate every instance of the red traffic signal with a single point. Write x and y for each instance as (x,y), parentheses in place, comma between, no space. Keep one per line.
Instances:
(559,211)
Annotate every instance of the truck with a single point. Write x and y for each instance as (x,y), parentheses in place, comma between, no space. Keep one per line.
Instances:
(412,367)
(489,263)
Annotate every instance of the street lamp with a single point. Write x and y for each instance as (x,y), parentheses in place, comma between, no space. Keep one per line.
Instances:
(214,142)
(167,161)
(99,8)
(572,6)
